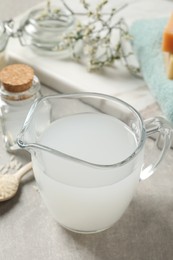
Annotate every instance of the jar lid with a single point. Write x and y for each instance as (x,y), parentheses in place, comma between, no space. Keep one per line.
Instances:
(17,77)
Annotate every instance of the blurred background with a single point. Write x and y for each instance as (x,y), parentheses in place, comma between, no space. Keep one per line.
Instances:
(12,8)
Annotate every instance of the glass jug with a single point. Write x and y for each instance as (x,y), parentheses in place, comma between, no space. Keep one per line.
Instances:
(88,156)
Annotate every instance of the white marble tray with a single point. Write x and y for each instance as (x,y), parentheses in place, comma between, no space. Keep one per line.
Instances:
(68,76)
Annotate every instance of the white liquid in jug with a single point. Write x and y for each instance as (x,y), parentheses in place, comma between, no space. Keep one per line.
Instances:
(78,195)
(96,138)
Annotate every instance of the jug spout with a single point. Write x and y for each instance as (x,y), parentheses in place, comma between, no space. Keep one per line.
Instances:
(37,120)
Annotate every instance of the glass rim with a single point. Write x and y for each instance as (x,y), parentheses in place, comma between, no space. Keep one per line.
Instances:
(68,21)
(78,95)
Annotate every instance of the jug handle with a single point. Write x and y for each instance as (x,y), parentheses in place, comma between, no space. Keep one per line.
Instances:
(163,142)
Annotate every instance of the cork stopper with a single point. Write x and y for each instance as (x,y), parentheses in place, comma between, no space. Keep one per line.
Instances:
(17,77)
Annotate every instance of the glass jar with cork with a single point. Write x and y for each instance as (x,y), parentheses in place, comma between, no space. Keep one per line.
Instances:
(19,88)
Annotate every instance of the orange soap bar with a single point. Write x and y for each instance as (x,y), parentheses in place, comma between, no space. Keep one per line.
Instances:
(167,44)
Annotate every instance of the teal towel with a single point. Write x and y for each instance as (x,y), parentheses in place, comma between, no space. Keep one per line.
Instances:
(147,39)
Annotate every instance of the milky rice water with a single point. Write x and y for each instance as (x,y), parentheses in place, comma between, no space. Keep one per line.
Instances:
(82,197)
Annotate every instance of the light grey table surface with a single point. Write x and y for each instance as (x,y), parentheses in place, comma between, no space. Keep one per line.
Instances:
(145,232)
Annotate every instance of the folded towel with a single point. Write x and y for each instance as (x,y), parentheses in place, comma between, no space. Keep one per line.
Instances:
(147,39)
